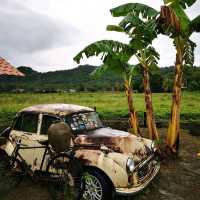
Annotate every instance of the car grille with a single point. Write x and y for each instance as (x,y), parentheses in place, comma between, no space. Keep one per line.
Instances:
(144,171)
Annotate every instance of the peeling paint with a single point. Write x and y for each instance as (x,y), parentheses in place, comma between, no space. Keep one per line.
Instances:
(103,148)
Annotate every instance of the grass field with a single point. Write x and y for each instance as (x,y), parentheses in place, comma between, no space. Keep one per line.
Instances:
(108,104)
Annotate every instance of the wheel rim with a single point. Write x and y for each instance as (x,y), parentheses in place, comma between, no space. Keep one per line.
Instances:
(92,188)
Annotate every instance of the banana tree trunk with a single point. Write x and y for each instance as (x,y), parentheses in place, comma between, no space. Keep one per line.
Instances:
(174,123)
(153,133)
(133,120)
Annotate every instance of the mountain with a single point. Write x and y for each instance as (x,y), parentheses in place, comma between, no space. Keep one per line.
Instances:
(28,71)
(77,79)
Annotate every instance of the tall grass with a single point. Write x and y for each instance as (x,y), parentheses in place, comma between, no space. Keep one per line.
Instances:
(108,104)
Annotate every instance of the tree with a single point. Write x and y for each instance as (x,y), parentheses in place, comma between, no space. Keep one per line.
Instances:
(174,22)
(115,57)
(139,23)
(148,62)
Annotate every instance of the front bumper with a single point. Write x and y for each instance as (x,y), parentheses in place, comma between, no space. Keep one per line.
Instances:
(133,189)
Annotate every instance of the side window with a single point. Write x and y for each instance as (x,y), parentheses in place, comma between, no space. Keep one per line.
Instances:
(47,121)
(18,123)
(27,122)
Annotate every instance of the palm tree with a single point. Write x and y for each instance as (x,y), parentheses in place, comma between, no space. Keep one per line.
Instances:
(115,57)
(140,25)
(174,22)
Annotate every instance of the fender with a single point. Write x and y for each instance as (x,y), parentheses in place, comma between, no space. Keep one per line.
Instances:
(112,164)
(6,145)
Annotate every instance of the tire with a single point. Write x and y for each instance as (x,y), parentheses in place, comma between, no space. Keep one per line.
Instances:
(95,186)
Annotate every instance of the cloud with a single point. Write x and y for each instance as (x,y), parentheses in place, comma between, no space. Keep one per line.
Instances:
(47,34)
(166,49)
(195,38)
(26,31)
(193,11)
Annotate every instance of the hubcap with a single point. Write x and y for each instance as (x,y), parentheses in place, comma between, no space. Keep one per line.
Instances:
(93,188)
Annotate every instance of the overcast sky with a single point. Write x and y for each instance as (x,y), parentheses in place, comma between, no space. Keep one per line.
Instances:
(47,34)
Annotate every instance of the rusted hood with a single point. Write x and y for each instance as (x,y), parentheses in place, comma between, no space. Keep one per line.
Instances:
(124,141)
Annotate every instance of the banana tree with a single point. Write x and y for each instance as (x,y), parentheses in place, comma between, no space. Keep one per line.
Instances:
(174,22)
(148,61)
(139,23)
(115,57)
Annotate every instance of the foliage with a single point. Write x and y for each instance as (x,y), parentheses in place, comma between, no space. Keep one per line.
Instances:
(173,21)
(107,48)
(195,25)
(188,55)
(80,80)
(183,3)
(136,8)
(141,31)
(149,57)
(140,25)
(56,81)
(115,58)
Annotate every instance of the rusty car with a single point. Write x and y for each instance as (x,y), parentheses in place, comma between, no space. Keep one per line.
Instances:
(116,162)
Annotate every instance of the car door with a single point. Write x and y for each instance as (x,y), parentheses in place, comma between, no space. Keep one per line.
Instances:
(45,121)
(25,129)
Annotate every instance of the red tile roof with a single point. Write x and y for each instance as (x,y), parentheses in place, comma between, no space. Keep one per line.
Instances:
(7,69)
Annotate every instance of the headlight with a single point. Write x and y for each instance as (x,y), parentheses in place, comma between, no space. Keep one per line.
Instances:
(130,165)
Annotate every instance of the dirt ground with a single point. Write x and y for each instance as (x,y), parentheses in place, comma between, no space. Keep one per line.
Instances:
(178,179)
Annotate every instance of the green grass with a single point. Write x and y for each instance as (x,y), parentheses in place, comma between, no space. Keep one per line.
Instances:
(108,104)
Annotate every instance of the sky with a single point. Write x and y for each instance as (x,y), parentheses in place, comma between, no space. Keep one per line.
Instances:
(47,34)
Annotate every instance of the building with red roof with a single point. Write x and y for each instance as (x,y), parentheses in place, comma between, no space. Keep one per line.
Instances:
(7,69)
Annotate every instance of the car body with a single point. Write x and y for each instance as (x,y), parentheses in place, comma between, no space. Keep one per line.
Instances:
(127,162)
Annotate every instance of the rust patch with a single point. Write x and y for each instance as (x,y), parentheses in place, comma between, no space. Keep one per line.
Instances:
(116,140)
(88,157)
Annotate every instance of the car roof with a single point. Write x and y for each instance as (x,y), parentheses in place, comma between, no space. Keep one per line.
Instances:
(57,109)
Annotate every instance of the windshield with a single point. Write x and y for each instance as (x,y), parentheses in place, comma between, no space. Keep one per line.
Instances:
(84,121)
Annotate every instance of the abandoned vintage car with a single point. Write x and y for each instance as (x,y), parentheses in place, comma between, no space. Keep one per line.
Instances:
(115,160)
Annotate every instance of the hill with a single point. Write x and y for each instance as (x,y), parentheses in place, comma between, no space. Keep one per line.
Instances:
(79,79)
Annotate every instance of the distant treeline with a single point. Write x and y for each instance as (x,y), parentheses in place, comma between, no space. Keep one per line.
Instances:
(79,79)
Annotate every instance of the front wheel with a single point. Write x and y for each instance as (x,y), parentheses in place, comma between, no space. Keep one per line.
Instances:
(95,186)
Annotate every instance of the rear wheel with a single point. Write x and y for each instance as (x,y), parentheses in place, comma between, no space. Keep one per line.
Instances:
(95,186)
